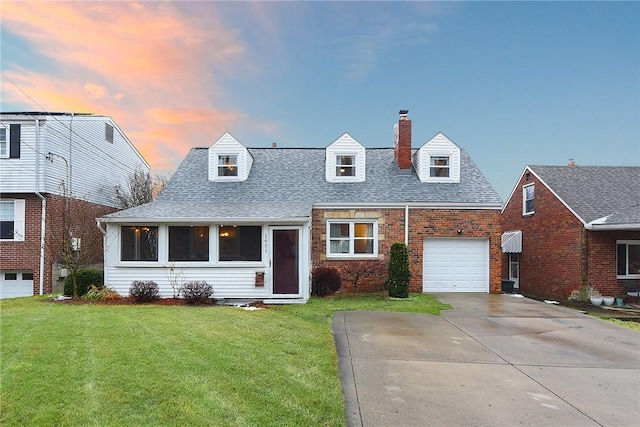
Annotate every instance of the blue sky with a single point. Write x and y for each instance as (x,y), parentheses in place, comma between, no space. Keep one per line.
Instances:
(513,83)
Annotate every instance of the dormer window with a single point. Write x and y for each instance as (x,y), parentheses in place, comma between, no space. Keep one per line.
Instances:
(345,160)
(228,165)
(229,160)
(439,166)
(345,165)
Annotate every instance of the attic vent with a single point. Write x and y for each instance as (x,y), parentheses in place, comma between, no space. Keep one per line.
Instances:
(108,133)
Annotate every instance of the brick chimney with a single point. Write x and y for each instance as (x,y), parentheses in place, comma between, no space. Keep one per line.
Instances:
(402,145)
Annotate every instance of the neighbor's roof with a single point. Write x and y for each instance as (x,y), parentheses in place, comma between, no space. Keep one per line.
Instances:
(288,182)
(598,195)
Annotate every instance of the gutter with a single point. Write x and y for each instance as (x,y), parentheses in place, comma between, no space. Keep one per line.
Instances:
(43,210)
(406,225)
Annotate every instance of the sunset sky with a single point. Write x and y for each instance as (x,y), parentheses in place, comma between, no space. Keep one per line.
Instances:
(513,83)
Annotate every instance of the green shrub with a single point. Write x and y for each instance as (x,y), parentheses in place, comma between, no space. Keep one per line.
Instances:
(196,292)
(325,281)
(144,291)
(399,274)
(85,279)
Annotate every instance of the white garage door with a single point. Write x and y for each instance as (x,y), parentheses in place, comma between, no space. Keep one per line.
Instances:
(455,265)
(15,284)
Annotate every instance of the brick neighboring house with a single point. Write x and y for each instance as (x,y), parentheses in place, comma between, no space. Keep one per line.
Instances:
(566,226)
(254,222)
(43,158)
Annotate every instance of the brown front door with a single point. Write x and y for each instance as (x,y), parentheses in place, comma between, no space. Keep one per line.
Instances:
(286,261)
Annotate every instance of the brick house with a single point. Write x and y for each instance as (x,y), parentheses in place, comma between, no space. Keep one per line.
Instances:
(52,163)
(254,222)
(568,226)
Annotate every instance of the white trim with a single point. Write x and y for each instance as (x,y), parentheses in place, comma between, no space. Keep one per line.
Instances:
(627,243)
(402,205)
(351,254)
(525,187)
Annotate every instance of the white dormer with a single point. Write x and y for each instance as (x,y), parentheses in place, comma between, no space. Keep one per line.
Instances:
(438,160)
(345,160)
(229,160)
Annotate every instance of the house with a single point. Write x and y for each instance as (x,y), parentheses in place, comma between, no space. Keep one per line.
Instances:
(49,162)
(568,226)
(254,222)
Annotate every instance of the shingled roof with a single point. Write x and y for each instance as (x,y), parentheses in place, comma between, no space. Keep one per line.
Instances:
(599,195)
(288,182)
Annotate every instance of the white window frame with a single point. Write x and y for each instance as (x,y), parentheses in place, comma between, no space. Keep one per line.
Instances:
(159,244)
(525,199)
(4,143)
(352,238)
(221,166)
(18,219)
(433,167)
(353,165)
(627,243)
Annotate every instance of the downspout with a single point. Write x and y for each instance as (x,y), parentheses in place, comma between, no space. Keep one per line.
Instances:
(43,209)
(406,225)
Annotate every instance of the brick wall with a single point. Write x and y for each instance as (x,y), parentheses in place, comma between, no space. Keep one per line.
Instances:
(558,253)
(422,223)
(25,256)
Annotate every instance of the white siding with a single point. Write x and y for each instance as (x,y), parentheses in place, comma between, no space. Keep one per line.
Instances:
(439,145)
(345,146)
(80,155)
(228,145)
(19,175)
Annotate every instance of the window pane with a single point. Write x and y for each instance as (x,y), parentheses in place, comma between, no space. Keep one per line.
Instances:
(10,276)
(228,165)
(3,142)
(6,229)
(6,210)
(339,230)
(345,166)
(439,166)
(27,276)
(622,260)
(363,246)
(189,243)
(139,243)
(339,246)
(242,243)
(363,230)
(634,259)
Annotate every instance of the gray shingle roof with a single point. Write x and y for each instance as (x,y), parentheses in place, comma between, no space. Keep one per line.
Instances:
(595,192)
(286,182)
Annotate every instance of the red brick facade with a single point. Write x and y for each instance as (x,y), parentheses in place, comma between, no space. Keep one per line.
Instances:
(25,255)
(558,254)
(423,223)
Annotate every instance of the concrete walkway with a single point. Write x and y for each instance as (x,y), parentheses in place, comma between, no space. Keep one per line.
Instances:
(494,360)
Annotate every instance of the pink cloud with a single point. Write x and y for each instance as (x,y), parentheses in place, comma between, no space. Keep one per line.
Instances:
(146,65)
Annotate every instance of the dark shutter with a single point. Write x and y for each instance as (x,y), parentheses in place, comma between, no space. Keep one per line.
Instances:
(14,141)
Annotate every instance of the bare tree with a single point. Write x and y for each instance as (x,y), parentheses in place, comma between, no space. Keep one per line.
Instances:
(139,190)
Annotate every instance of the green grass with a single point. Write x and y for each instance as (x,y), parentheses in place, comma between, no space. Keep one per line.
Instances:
(151,365)
(626,323)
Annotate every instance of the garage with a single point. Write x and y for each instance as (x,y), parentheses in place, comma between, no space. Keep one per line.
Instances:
(15,284)
(455,265)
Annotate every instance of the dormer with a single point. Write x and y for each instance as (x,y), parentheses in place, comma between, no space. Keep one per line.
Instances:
(345,160)
(438,160)
(229,160)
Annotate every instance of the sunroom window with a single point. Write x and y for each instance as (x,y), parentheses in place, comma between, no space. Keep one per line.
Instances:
(189,243)
(228,165)
(528,199)
(352,239)
(240,243)
(628,253)
(439,166)
(139,243)
(345,165)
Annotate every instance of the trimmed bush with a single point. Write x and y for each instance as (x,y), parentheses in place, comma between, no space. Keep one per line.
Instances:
(144,291)
(85,278)
(399,274)
(325,281)
(196,292)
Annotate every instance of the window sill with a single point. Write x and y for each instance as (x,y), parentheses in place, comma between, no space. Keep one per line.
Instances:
(528,213)
(351,257)
(630,276)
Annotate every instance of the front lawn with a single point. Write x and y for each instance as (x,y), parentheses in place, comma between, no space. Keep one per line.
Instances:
(78,365)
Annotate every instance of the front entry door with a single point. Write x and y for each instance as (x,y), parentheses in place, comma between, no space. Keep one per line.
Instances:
(514,269)
(286,261)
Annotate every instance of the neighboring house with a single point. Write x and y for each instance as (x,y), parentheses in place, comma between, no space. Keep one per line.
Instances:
(568,226)
(43,158)
(254,222)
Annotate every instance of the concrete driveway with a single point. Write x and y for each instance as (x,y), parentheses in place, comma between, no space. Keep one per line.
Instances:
(494,360)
